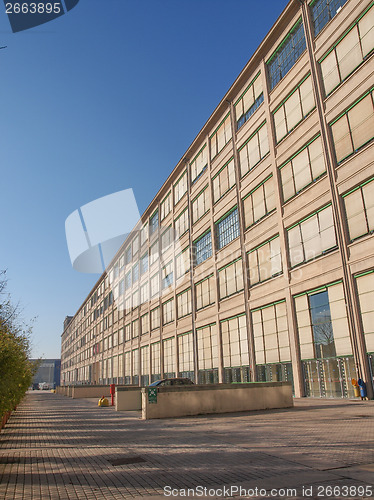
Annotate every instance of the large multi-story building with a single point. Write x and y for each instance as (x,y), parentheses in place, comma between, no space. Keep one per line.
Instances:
(271,275)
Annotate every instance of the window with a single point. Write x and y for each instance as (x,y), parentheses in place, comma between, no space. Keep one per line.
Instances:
(144,365)
(265,261)
(249,101)
(155,361)
(127,332)
(153,223)
(135,245)
(135,366)
(207,341)
(224,180)
(186,354)
(312,236)
(135,329)
(322,323)
(168,312)
(182,263)
(128,305)
(203,247)
(128,255)
(221,136)
(253,150)
(121,336)
(259,202)
(349,52)
(135,273)
(144,324)
(365,288)
(297,105)
(155,285)
(200,204)
(359,207)
(198,165)
(270,331)
(155,318)
(165,206)
(228,228)
(230,279)
(285,56)
(128,280)
(235,347)
(204,291)
(144,264)
(167,275)
(184,303)
(153,253)
(306,166)
(181,223)
(353,128)
(323,11)
(168,347)
(167,238)
(180,187)
(144,293)
(144,234)
(135,299)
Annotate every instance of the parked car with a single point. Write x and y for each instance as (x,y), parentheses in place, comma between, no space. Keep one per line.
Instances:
(165,382)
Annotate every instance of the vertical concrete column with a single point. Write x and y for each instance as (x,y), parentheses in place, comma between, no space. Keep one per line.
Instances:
(352,305)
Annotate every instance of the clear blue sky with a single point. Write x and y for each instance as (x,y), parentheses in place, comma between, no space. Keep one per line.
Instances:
(96,101)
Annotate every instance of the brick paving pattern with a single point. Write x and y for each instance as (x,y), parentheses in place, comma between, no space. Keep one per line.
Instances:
(54,447)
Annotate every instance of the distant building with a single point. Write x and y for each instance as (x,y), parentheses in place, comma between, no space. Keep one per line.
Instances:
(48,371)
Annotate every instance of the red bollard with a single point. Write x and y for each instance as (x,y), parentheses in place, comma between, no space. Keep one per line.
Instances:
(112,392)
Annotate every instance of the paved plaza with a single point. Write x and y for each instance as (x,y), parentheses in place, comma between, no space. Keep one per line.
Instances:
(54,447)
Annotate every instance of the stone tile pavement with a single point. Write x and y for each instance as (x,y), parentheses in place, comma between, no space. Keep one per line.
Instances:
(54,447)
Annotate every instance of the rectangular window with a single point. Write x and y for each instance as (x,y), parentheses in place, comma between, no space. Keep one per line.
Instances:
(144,324)
(220,137)
(322,323)
(121,336)
(135,328)
(200,205)
(312,236)
(253,150)
(165,206)
(184,303)
(323,11)
(199,164)
(155,318)
(180,187)
(128,255)
(270,331)
(286,55)
(144,264)
(144,364)
(348,52)
(302,169)
(135,299)
(155,285)
(182,263)
(155,361)
(354,128)
(296,106)
(168,312)
(207,341)
(359,207)
(127,332)
(230,279)
(144,293)
(154,253)
(135,273)
(265,261)
(249,101)
(228,228)
(224,180)
(153,223)
(135,245)
(128,304)
(235,342)
(135,366)
(181,223)
(203,248)
(259,202)
(168,347)
(186,354)
(167,238)
(144,234)
(128,280)
(365,289)
(167,275)
(204,292)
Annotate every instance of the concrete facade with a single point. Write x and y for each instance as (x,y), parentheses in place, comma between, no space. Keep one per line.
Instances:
(255,259)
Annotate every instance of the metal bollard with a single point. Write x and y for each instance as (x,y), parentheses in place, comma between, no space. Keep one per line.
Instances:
(112,392)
